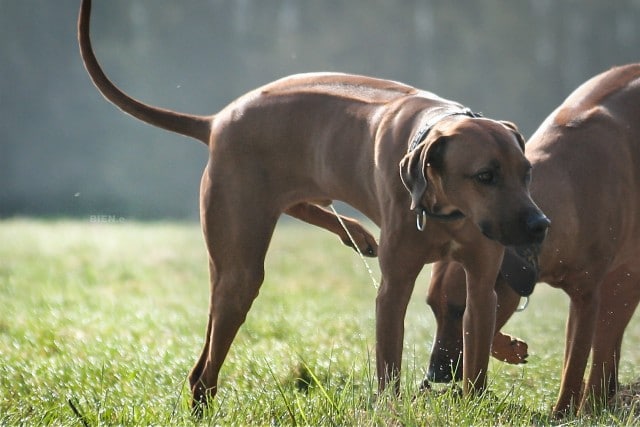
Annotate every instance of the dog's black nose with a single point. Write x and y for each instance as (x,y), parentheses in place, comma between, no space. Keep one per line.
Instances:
(537,225)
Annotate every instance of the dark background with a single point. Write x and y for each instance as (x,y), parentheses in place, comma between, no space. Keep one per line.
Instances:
(64,151)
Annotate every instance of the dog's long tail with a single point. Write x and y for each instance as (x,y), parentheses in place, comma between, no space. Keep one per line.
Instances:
(198,127)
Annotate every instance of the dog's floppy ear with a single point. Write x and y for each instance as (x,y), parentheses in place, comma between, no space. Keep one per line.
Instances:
(413,167)
(513,128)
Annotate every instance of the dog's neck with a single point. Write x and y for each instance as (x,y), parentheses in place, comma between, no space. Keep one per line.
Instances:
(433,117)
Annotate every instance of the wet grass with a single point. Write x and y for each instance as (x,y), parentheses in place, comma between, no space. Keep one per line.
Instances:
(100,324)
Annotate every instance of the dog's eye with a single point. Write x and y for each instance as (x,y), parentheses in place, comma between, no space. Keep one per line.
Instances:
(485,177)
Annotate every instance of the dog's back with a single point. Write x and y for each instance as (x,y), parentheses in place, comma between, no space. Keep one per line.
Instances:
(589,149)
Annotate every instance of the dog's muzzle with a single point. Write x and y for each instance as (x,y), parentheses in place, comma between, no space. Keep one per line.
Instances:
(529,229)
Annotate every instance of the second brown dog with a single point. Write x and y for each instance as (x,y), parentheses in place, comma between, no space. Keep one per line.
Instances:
(586,177)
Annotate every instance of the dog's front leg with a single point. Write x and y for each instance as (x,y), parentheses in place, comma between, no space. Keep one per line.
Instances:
(399,271)
(478,324)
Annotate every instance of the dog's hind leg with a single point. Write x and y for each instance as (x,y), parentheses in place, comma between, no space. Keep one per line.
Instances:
(235,282)
(237,240)
(619,295)
(320,217)
(581,325)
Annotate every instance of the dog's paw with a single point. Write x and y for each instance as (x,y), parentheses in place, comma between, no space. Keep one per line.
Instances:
(366,243)
(509,349)
(425,386)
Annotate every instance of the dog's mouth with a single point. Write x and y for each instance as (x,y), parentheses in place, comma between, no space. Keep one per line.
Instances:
(520,268)
(487,230)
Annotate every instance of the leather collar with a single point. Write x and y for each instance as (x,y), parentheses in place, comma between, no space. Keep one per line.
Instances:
(434,118)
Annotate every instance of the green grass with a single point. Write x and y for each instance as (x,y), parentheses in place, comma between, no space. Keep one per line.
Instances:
(107,319)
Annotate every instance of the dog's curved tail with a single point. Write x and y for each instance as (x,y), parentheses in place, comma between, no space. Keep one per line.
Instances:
(198,127)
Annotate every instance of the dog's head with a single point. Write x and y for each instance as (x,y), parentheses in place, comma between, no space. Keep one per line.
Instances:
(476,166)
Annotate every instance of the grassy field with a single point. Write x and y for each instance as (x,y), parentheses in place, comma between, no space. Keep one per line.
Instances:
(101,322)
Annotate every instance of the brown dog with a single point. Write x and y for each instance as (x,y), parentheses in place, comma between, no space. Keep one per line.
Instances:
(389,150)
(586,177)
